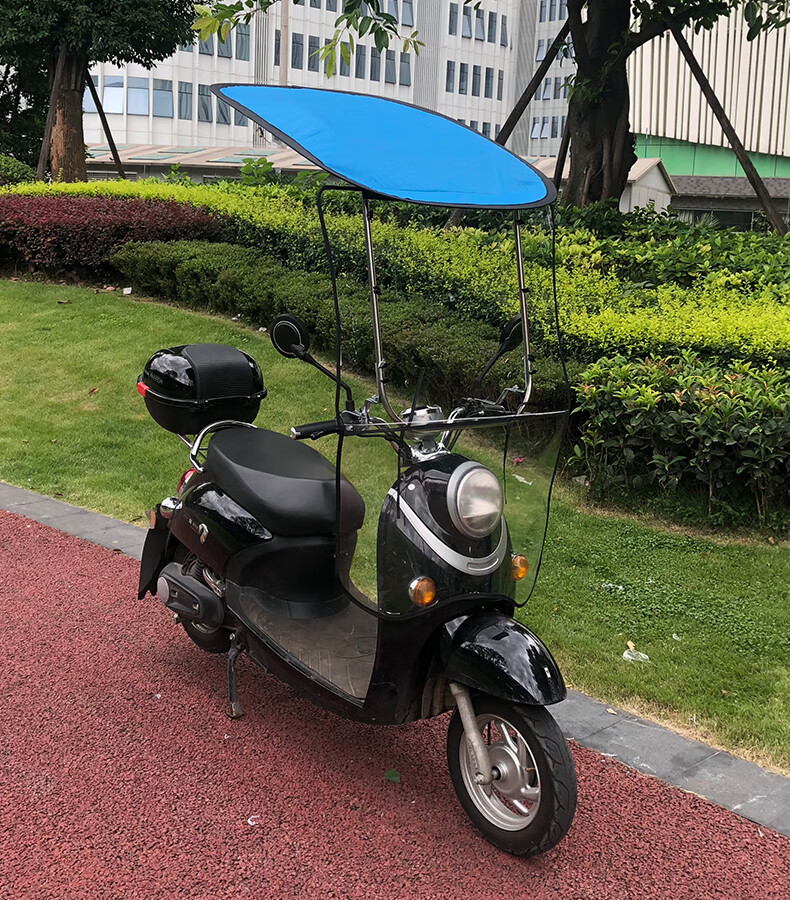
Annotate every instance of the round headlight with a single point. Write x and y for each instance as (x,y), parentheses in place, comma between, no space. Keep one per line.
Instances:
(474,500)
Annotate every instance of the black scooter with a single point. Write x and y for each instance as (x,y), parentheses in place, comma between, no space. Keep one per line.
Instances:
(253,554)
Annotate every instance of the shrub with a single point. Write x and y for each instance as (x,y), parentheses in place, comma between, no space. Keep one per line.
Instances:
(12,171)
(68,233)
(416,333)
(680,421)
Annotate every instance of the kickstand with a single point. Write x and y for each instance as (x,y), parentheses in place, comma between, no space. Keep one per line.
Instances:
(234,708)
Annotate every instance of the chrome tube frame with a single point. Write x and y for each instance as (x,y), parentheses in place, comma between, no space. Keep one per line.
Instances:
(522,293)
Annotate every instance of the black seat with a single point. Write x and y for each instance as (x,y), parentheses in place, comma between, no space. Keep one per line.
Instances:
(288,486)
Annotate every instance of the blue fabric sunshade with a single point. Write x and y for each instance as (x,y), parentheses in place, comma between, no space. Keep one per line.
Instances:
(391,148)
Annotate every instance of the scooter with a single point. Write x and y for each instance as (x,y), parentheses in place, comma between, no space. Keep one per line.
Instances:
(253,554)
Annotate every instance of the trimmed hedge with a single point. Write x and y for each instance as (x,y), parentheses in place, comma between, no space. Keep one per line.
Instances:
(472,273)
(69,233)
(234,280)
(681,421)
(12,171)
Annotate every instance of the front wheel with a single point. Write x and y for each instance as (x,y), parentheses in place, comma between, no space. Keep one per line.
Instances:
(529,806)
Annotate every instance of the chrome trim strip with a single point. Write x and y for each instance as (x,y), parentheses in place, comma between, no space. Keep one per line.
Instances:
(471,565)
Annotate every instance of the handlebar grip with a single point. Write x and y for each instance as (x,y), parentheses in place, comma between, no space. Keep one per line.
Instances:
(314,430)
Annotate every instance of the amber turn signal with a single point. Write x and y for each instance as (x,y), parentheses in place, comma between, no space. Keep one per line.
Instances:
(422,591)
(519,567)
(151,518)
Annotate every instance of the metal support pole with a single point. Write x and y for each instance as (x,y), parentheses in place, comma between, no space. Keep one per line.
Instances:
(104,123)
(522,294)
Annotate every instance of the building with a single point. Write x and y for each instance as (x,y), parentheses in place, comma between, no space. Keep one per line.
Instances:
(465,70)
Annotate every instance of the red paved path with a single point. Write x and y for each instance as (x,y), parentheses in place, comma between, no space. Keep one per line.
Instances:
(120,776)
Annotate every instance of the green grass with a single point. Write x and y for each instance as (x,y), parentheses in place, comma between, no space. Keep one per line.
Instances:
(73,426)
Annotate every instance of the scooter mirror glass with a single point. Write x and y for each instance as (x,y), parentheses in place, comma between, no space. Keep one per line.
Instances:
(289,333)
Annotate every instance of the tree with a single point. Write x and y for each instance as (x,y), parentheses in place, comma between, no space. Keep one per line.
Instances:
(81,32)
(23,102)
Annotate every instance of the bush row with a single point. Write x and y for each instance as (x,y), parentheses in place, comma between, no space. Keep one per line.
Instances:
(472,273)
(68,233)
(240,281)
(683,422)
(12,171)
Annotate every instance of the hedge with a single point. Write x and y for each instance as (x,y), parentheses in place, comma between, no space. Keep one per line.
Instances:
(68,233)
(472,273)
(12,171)
(683,422)
(417,334)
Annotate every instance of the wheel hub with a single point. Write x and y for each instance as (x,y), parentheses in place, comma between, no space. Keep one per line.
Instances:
(509,777)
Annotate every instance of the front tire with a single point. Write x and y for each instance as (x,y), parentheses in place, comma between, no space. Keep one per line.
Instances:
(529,808)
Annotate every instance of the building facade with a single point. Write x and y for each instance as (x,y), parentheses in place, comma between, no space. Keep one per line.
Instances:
(466,70)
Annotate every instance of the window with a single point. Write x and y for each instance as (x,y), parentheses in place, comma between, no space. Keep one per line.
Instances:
(476,81)
(207,47)
(405,69)
(223,112)
(204,103)
(480,25)
(112,97)
(389,67)
(449,84)
(361,61)
(87,98)
(555,126)
(535,133)
(313,46)
(500,84)
(326,60)
(466,26)
(563,9)
(462,121)
(547,89)
(473,124)
(487,129)
(463,78)
(297,50)
(544,130)
(331,5)
(566,89)
(543,10)
(538,56)
(407,13)
(345,68)
(557,88)
(239,118)
(564,123)
(552,10)
(375,64)
(453,18)
(492,23)
(392,8)
(163,98)
(184,99)
(225,48)
(316,4)
(503,40)
(242,41)
(186,48)
(137,96)
(497,129)
(277,47)
(489,88)
(571,51)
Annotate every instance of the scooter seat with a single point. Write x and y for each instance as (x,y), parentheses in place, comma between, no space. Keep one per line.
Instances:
(288,486)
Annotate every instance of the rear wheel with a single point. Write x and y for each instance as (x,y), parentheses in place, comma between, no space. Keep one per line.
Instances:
(529,806)
(209,638)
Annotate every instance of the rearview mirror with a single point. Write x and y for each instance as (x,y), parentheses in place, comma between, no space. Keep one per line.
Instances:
(290,336)
(512,335)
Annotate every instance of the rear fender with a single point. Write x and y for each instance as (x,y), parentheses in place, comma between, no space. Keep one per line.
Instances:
(158,551)
(493,653)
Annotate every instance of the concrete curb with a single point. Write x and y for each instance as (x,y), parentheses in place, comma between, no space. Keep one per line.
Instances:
(724,779)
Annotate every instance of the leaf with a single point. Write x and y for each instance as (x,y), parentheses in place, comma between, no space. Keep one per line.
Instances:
(631,645)
(392,775)
(92,391)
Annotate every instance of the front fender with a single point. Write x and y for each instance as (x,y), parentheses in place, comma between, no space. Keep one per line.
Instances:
(495,654)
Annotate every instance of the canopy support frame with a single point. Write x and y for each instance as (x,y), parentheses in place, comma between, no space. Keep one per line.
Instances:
(522,294)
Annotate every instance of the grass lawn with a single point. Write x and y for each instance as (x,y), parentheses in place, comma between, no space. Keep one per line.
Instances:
(713,615)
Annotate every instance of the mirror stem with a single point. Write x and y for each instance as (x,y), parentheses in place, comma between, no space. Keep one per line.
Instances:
(302,354)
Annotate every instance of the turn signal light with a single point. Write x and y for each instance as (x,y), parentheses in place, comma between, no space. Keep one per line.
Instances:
(422,591)
(519,567)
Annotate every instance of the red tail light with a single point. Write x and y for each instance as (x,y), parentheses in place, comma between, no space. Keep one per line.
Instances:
(185,479)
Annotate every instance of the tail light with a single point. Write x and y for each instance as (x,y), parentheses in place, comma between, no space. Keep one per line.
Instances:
(185,480)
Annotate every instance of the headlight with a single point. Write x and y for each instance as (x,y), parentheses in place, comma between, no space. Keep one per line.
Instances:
(474,500)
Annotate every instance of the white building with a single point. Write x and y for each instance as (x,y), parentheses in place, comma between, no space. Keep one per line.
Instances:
(466,70)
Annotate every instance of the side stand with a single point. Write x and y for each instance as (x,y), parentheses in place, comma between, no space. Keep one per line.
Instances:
(235,710)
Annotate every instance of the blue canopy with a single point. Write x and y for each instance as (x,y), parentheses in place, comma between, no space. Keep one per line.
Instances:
(392,149)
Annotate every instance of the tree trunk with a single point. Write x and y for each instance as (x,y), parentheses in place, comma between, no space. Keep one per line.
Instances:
(602,143)
(67,151)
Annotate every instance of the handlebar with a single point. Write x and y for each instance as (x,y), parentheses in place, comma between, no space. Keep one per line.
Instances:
(314,430)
